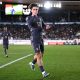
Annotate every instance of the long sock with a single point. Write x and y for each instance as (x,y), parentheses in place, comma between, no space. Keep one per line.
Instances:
(34,61)
(41,68)
(5,51)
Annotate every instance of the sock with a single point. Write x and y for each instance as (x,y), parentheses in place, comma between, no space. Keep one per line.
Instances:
(41,68)
(43,72)
(34,61)
(5,51)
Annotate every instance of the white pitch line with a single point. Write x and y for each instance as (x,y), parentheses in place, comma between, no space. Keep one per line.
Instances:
(15,61)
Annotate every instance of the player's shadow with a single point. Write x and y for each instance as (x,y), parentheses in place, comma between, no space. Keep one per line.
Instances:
(48,78)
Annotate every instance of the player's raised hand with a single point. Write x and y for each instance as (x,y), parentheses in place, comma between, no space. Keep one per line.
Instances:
(48,27)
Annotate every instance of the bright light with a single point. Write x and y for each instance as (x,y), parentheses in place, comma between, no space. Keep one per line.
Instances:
(40,5)
(47,5)
(0,2)
(58,5)
(24,6)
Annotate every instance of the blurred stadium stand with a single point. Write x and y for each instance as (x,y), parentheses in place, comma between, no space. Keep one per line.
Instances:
(65,21)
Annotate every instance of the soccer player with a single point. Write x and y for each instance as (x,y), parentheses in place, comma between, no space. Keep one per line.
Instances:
(5,35)
(36,25)
(12,11)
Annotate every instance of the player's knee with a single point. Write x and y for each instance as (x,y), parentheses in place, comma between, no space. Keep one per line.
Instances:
(39,56)
(35,56)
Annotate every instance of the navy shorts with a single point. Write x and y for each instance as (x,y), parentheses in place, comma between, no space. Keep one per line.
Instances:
(38,47)
(5,46)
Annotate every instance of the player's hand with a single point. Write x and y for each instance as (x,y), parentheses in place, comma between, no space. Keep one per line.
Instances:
(48,27)
(34,21)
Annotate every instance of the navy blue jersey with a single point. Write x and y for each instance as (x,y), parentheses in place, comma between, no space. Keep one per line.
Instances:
(35,25)
(5,36)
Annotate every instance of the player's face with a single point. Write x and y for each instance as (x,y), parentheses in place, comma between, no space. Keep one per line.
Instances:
(35,10)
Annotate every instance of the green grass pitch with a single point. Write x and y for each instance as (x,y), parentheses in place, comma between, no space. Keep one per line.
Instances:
(62,62)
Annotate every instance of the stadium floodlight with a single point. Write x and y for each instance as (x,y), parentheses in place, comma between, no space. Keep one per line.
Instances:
(0,2)
(47,5)
(40,5)
(58,5)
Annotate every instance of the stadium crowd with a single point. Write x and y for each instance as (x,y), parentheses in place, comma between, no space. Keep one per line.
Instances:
(64,32)
(58,32)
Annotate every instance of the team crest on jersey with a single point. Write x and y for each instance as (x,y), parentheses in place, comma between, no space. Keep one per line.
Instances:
(37,49)
(39,23)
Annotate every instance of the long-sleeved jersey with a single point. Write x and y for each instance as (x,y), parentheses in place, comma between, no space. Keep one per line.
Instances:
(36,25)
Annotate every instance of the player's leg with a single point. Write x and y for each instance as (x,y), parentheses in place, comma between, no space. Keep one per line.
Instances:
(40,64)
(42,47)
(42,51)
(32,64)
(44,73)
(34,60)
(5,49)
(34,46)
(38,57)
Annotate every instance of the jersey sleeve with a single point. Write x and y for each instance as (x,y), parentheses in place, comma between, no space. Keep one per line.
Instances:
(1,34)
(32,22)
(43,24)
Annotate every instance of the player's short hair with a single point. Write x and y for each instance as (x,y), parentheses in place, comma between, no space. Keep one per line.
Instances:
(33,5)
